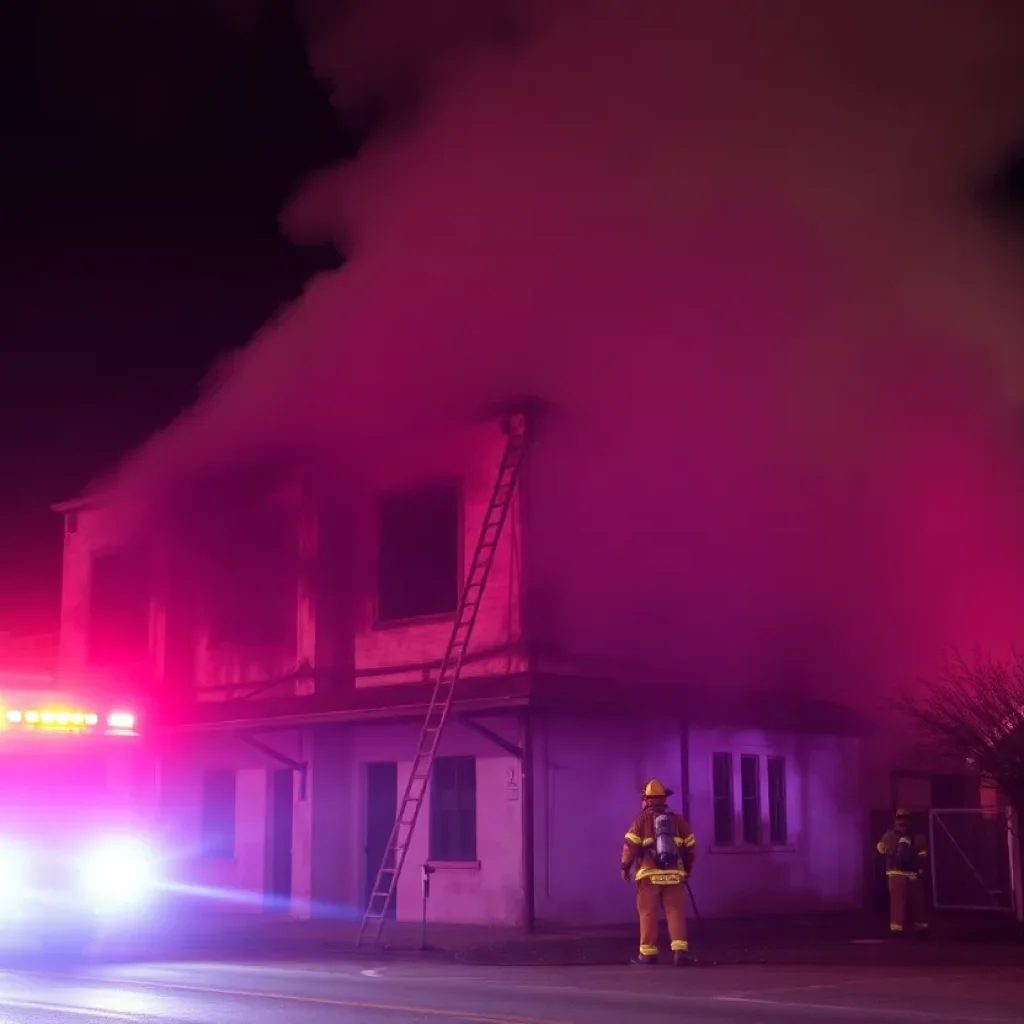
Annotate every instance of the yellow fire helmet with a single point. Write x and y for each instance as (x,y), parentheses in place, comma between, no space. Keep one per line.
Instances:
(655,789)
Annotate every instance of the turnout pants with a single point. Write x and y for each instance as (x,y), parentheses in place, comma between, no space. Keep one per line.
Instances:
(672,899)
(905,892)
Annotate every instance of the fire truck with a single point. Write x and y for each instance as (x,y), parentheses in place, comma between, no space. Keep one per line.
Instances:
(77,793)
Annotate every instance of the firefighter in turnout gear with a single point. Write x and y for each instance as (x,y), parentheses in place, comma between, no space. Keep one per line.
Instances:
(906,855)
(660,850)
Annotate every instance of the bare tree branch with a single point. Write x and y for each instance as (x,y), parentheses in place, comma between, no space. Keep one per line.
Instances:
(974,711)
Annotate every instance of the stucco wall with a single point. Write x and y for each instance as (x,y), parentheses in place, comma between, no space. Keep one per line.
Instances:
(93,531)
(589,772)
(329,826)
(588,775)
(471,455)
(243,877)
(821,865)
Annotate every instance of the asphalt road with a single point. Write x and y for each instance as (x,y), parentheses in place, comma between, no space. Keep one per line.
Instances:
(409,992)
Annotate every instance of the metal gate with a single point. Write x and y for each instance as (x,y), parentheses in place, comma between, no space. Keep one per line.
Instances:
(974,859)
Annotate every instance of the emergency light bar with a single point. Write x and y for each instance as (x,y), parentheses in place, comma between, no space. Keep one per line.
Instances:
(119,723)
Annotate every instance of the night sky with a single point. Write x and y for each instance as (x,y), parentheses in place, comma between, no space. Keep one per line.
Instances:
(148,157)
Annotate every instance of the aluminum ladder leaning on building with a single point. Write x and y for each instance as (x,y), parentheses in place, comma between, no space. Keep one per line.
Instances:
(438,709)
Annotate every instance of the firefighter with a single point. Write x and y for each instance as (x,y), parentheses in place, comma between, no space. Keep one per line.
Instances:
(906,855)
(661,849)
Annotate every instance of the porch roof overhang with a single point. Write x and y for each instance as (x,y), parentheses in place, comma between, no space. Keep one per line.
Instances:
(579,695)
(392,713)
(477,695)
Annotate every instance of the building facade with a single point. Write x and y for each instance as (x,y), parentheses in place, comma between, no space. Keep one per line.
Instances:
(290,642)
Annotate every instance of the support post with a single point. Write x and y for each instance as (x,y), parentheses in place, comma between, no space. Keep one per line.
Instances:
(932,873)
(526,777)
(425,883)
(1016,881)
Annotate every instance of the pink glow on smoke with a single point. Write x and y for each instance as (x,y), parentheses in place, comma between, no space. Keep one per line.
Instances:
(779,343)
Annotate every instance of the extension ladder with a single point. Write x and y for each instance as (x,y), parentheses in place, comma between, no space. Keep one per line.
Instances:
(444,686)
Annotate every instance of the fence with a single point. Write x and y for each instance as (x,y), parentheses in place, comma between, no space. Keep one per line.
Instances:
(974,860)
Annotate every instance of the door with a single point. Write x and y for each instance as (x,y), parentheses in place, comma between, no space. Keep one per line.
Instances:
(281,809)
(381,809)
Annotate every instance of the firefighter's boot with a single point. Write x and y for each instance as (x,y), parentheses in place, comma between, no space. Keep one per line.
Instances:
(682,959)
(645,958)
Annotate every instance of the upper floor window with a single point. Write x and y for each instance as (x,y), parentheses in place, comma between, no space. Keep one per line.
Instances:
(420,535)
(119,599)
(753,796)
(253,578)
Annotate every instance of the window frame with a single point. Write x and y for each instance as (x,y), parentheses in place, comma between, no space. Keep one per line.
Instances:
(443,850)
(96,655)
(270,531)
(772,802)
(220,843)
(752,827)
(457,488)
(777,800)
(718,800)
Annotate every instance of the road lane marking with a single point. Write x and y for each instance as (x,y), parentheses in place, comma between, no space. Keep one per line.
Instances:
(372,972)
(348,1004)
(851,983)
(875,1011)
(78,1011)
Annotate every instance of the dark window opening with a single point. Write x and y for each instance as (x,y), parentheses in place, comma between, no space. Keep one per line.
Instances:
(419,554)
(119,600)
(254,580)
(721,781)
(778,826)
(453,809)
(217,814)
(750,796)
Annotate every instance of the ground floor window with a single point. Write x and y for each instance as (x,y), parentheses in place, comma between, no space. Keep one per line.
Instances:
(750,791)
(453,809)
(721,781)
(217,813)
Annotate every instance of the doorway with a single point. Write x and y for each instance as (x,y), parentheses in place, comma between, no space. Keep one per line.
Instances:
(381,808)
(279,889)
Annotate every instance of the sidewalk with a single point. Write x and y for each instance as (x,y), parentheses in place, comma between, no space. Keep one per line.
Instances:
(825,940)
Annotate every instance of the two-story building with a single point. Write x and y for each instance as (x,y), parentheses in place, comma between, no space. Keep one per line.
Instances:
(290,634)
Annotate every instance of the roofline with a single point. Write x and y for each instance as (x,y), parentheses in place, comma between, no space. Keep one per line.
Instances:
(527,405)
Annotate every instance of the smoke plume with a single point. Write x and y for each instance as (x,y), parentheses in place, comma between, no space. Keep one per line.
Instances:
(735,246)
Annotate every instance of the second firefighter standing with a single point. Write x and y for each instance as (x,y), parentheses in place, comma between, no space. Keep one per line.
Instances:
(906,857)
(660,850)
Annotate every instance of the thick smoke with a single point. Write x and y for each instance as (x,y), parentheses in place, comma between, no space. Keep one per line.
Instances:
(735,245)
